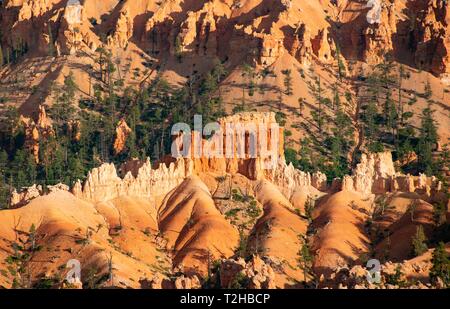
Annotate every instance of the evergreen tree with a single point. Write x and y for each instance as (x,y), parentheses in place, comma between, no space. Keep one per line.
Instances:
(340,63)
(178,49)
(8,56)
(248,74)
(390,115)
(305,162)
(63,110)
(428,92)
(218,71)
(317,114)
(287,82)
(301,106)
(401,75)
(419,242)
(428,140)
(306,260)
(439,214)
(336,102)
(75,169)
(441,265)
(339,144)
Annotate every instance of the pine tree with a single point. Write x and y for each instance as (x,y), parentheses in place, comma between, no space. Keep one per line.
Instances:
(248,72)
(439,214)
(428,92)
(441,265)
(390,115)
(75,169)
(419,242)
(336,102)
(318,113)
(287,82)
(218,71)
(63,112)
(301,106)
(306,260)
(339,145)
(248,75)
(178,49)
(305,162)
(428,140)
(340,63)
(400,107)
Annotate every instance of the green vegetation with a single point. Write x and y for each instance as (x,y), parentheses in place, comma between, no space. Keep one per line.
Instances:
(23,251)
(397,278)
(419,242)
(84,131)
(441,265)
(306,260)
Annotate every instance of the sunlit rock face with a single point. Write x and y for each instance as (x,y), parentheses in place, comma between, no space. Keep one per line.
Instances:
(73,12)
(374,15)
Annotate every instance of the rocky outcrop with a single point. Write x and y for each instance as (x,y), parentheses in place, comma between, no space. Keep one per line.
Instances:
(289,179)
(247,143)
(74,33)
(122,132)
(301,47)
(257,273)
(31,8)
(184,282)
(378,34)
(376,174)
(430,33)
(195,230)
(23,197)
(195,34)
(370,173)
(123,30)
(36,131)
(103,183)
(323,46)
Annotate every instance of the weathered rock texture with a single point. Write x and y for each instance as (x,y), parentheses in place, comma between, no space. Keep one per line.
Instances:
(259,274)
(245,143)
(35,131)
(376,174)
(122,133)
(254,31)
(104,184)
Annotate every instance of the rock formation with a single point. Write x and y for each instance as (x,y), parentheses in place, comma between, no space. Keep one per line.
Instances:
(122,133)
(259,274)
(188,218)
(322,46)
(36,131)
(431,31)
(301,47)
(219,29)
(25,195)
(123,30)
(379,33)
(104,184)
(376,174)
(75,33)
(247,143)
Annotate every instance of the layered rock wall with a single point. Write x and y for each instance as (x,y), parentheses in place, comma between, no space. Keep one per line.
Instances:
(104,184)
(376,174)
